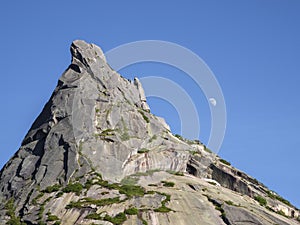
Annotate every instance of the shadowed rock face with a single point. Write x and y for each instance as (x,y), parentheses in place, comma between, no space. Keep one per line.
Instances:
(96,151)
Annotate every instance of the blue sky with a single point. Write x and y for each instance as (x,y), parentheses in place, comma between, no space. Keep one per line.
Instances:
(252,46)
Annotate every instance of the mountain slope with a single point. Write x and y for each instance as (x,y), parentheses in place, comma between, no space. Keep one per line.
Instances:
(97,155)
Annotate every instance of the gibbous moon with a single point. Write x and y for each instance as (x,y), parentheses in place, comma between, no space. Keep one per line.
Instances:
(213,101)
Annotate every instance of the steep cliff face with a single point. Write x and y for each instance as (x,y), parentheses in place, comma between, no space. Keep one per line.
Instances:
(97,155)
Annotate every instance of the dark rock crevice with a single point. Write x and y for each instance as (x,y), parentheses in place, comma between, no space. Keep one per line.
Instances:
(229,181)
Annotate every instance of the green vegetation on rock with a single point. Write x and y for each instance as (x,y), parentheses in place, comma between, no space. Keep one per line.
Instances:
(52,188)
(73,187)
(168,184)
(118,219)
(143,150)
(261,200)
(225,162)
(144,116)
(88,201)
(10,211)
(131,211)
(279,198)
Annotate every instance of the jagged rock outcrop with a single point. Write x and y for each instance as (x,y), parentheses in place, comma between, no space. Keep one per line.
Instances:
(97,155)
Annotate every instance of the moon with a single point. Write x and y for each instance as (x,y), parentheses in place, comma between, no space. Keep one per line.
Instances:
(213,101)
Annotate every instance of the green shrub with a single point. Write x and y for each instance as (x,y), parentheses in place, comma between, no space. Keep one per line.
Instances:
(88,201)
(94,216)
(132,190)
(107,132)
(212,183)
(73,187)
(179,137)
(52,188)
(144,116)
(143,150)
(144,222)
(88,184)
(52,218)
(72,205)
(262,201)
(59,194)
(207,149)
(279,198)
(280,212)
(168,184)
(117,220)
(163,209)
(131,211)
(177,173)
(225,162)
(229,202)
(10,211)
(34,201)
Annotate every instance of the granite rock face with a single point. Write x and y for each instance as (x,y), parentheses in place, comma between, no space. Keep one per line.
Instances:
(97,155)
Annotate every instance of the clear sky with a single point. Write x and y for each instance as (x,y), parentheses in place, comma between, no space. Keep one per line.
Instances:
(252,46)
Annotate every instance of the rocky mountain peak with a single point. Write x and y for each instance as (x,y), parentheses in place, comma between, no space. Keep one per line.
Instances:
(96,155)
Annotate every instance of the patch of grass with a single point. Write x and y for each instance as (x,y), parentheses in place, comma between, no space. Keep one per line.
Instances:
(41,212)
(163,209)
(143,150)
(261,200)
(207,149)
(73,187)
(97,110)
(35,200)
(107,132)
(59,194)
(51,217)
(177,173)
(225,162)
(144,222)
(179,137)
(229,202)
(147,173)
(194,152)
(88,184)
(131,211)
(88,201)
(144,116)
(132,190)
(41,223)
(72,205)
(10,211)
(212,183)
(280,212)
(52,188)
(168,184)
(117,220)
(94,216)
(279,198)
